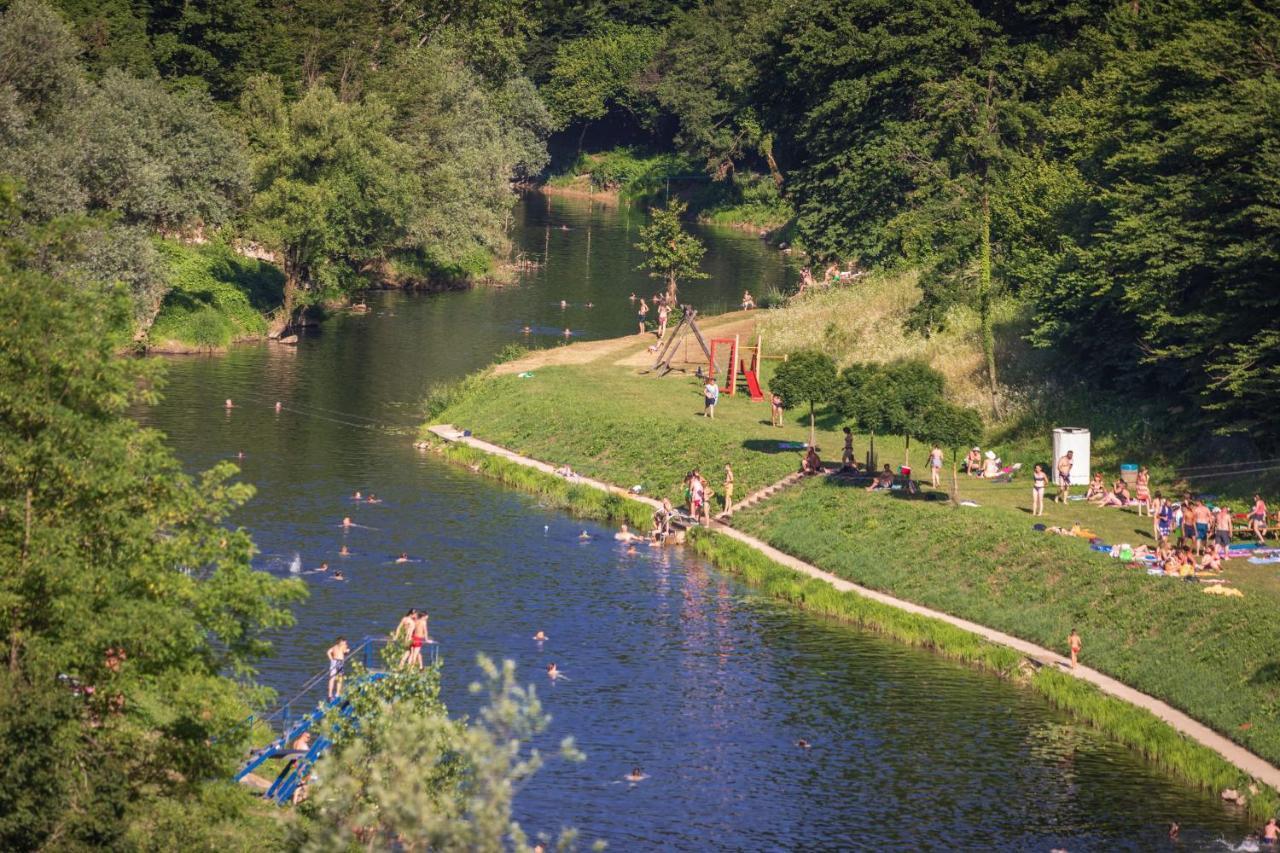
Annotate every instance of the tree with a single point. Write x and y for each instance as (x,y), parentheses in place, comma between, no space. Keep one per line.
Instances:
(598,72)
(805,377)
(673,253)
(894,398)
(953,427)
(334,188)
(412,779)
(130,614)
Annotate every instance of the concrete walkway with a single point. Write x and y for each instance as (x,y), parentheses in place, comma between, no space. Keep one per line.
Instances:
(1237,755)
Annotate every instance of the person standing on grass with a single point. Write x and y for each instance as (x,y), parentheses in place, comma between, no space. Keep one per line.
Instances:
(1142,491)
(846,456)
(935,466)
(641,313)
(776,403)
(337,655)
(1222,528)
(1038,480)
(728,487)
(663,313)
(710,396)
(1065,464)
(1258,518)
(1203,519)
(1073,641)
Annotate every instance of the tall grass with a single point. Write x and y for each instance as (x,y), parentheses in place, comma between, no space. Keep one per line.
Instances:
(1126,724)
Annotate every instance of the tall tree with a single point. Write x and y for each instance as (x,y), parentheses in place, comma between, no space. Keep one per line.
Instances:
(334,188)
(126,603)
(672,253)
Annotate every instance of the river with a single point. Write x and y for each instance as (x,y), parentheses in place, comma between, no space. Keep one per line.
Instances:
(672,667)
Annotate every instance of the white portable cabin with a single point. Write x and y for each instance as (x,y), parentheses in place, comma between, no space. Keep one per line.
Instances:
(1075,439)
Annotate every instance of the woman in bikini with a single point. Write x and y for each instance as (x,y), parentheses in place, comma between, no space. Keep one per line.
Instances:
(1142,491)
(1097,489)
(1038,481)
(641,312)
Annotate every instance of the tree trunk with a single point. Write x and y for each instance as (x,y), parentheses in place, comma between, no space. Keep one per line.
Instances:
(582,136)
(984,303)
(955,483)
(766,148)
(811,430)
(906,454)
(671,291)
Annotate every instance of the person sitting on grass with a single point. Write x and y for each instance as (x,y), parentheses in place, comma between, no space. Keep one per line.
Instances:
(1211,561)
(991,467)
(812,463)
(973,462)
(1118,496)
(1097,488)
(883,481)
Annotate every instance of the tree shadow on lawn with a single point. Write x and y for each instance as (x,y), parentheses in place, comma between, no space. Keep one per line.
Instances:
(1268,673)
(847,481)
(772,446)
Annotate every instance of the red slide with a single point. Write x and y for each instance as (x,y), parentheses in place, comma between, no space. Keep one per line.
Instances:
(753,385)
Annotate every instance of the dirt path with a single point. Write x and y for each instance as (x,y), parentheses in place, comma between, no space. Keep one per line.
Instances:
(632,350)
(1200,733)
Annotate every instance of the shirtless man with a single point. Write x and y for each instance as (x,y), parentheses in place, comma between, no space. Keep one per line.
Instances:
(403,558)
(417,638)
(1203,519)
(624,534)
(337,655)
(1222,528)
(404,631)
(1065,465)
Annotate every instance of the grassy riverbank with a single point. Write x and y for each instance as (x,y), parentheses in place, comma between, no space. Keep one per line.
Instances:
(216,298)
(594,409)
(1131,726)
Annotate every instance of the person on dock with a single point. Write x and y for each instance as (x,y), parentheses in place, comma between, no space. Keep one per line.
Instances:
(1065,463)
(641,312)
(776,413)
(935,466)
(1073,642)
(1038,480)
(710,396)
(728,487)
(418,637)
(404,632)
(337,655)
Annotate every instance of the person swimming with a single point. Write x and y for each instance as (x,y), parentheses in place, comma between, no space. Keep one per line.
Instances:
(278,406)
(583,536)
(344,551)
(564,304)
(228,404)
(636,775)
(339,576)
(403,558)
(527,330)
(591,305)
(323,567)
(239,454)
(554,673)
(568,333)
(804,744)
(373,499)
(357,496)
(632,297)
(347,522)
(541,636)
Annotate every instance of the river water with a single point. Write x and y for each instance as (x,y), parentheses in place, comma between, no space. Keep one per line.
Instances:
(672,667)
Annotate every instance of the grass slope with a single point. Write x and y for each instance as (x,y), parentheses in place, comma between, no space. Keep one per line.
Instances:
(216,297)
(1214,658)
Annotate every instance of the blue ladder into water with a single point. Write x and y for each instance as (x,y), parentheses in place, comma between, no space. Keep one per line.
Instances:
(292,727)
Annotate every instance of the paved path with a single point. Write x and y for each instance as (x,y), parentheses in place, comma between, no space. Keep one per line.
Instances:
(1202,734)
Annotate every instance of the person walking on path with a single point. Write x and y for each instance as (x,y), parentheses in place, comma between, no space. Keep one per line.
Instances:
(641,312)
(1065,465)
(710,396)
(1038,480)
(728,487)
(935,466)
(337,655)
(1073,641)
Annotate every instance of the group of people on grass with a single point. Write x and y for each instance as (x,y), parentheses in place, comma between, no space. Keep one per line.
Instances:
(661,304)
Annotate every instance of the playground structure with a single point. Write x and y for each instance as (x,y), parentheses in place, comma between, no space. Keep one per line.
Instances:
(337,710)
(735,371)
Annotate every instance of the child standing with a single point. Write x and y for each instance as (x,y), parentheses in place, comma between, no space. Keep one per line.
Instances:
(1073,640)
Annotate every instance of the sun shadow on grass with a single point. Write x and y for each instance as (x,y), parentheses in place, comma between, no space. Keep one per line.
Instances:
(766,445)
(1268,673)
